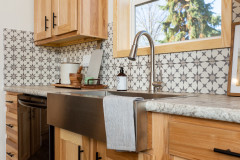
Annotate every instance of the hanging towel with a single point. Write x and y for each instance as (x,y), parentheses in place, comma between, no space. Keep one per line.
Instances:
(119,122)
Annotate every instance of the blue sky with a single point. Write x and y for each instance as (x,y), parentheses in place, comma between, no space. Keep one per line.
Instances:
(160,35)
(216,4)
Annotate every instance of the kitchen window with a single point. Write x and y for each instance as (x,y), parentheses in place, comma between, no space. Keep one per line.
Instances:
(175,25)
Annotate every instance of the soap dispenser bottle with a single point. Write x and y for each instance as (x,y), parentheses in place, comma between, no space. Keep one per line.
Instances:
(121,80)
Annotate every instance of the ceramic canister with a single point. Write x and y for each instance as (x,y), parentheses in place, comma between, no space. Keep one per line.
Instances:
(66,69)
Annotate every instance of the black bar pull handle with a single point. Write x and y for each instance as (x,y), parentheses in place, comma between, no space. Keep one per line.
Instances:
(227,152)
(46,23)
(9,125)
(10,154)
(97,157)
(54,20)
(79,152)
(9,101)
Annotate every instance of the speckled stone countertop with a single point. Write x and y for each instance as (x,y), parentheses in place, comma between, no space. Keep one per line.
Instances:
(216,107)
(38,90)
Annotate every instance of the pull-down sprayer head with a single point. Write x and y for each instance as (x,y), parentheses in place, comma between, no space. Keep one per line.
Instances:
(133,54)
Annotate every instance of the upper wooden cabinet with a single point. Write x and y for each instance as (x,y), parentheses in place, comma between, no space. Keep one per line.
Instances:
(66,22)
(42,19)
(64,16)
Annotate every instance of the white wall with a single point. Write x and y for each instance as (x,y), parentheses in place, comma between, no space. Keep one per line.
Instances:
(17,14)
(14,14)
(110,11)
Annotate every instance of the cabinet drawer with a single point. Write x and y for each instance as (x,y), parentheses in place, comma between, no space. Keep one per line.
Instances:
(198,142)
(11,150)
(10,116)
(12,134)
(11,101)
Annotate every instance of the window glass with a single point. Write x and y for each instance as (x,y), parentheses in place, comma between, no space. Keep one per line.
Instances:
(178,20)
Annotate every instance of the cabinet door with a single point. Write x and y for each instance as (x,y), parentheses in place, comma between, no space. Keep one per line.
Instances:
(64,16)
(42,19)
(68,150)
(71,146)
(35,130)
(24,125)
(176,158)
(101,151)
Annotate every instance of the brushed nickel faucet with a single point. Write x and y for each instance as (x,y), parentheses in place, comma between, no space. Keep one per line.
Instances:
(133,53)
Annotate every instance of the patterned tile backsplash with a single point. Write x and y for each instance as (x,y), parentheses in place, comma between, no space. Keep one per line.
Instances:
(27,64)
(192,72)
(203,71)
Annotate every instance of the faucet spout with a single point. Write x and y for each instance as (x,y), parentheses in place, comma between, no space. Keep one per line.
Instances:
(133,55)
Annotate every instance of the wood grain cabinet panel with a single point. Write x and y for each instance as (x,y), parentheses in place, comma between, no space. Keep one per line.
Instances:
(64,18)
(42,19)
(11,152)
(198,142)
(69,145)
(24,133)
(70,22)
(176,158)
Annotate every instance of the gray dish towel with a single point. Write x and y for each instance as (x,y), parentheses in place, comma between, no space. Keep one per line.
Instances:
(119,122)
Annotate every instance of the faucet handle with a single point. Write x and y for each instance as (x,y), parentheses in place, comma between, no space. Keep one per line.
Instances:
(157,84)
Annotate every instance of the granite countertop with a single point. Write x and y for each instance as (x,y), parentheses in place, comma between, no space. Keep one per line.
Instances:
(38,90)
(216,107)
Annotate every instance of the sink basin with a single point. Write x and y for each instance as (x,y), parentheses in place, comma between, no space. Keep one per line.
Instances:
(128,94)
(82,112)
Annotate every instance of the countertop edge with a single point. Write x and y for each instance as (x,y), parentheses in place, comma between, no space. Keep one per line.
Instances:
(196,111)
(26,91)
(221,114)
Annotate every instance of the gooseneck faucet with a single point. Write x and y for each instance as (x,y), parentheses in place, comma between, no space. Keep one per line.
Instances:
(133,53)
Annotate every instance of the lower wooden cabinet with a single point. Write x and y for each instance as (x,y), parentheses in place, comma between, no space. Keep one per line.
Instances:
(176,158)
(72,146)
(69,145)
(173,138)
(201,139)
(16,148)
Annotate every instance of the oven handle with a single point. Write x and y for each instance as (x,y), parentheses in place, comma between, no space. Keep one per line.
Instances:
(30,104)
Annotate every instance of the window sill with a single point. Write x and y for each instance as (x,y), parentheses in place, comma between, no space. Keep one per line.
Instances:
(193,45)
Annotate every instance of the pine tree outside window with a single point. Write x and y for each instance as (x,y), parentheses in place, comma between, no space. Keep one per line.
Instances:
(175,25)
(176,20)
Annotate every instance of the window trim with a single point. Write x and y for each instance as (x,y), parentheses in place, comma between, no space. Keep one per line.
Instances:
(122,50)
(132,16)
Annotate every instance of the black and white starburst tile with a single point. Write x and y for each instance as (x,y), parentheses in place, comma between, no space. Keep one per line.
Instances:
(207,77)
(177,83)
(236,11)
(165,58)
(204,55)
(190,84)
(176,58)
(24,62)
(188,57)
(221,54)
(193,72)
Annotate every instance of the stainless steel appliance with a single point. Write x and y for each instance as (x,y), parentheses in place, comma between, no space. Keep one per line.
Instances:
(82,112)
(33,113)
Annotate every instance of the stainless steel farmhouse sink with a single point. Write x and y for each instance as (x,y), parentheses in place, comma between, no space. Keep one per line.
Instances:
(82,112)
